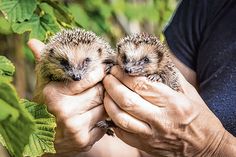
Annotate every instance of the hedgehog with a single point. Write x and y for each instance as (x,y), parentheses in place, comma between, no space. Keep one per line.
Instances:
(145,55)
(69,56)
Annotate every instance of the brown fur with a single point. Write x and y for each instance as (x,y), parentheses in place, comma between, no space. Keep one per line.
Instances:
(70,55)
(144,54)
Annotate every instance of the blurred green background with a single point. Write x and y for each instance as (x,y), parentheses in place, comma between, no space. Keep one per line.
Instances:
(112,19)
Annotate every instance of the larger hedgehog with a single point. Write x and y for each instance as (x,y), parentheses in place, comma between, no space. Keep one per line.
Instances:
(69,56)
(144,55)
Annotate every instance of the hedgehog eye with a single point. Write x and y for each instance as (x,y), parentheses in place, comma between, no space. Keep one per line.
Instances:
(99,50)
(125,59)
(146,59)
(87,60)
(51,52)
(64,62)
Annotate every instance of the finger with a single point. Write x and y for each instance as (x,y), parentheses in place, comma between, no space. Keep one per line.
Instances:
(129,138)
(36,46)
(128,100)
(124,120)
(64,106)
(81,141)
(153,92)
(90,80)
(76,87)
(162,147)
(85,121)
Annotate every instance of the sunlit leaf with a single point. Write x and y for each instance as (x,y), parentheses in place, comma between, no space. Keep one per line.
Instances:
(6,67)
(18,10)
(41,140)
(15,132)
(38,26)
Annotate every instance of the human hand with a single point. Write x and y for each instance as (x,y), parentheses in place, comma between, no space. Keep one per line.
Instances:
(152,117)
(77,106)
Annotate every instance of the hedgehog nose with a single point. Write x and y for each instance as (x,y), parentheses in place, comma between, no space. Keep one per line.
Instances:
(128,70)
(76,77)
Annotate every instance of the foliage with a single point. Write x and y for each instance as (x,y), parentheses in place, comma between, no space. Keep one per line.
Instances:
(41,140)
(24,126)
(27,128)
(107,17)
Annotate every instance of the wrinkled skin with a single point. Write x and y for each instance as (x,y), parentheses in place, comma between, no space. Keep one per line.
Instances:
(150,116)
(78,106)
(154,118)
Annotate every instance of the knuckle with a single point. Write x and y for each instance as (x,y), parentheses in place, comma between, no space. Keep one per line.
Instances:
(128,103)
(124,123)
(71,126)
(99,91)
(82,140)
(139,85)
(186,111)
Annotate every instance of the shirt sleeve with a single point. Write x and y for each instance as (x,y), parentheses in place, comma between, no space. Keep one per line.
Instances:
(183,33)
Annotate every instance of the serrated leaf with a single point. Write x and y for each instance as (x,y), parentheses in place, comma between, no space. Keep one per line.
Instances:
(41,140)
(15,132)
(7,69)
(18,10)
(38,26)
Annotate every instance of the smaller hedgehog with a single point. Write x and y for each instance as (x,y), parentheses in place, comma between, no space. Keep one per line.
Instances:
(144,55)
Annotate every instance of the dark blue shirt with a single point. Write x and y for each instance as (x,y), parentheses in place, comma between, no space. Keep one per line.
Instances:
(202,34)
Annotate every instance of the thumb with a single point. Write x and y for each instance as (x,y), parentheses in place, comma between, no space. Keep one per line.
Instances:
(187,88)
(36,46)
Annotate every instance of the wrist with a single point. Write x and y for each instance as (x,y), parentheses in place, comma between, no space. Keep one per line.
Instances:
(227,146)
(223,145)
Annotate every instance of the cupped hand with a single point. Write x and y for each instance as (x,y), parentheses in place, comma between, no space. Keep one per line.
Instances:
(77,106)
(154,118)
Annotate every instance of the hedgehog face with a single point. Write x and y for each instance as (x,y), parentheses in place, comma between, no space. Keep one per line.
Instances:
(138,59)
(71,62)
(72,54)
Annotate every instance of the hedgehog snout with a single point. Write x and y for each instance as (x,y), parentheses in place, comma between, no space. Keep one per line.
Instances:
(75,74)
(130,68)
(76,77)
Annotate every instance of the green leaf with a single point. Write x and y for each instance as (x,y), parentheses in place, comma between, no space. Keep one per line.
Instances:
(7,69)
(80,15)
(18,10)
(41,140)
(2,141)
(47,9)
(15,132)
(8,112)
(5,27)
(38,26)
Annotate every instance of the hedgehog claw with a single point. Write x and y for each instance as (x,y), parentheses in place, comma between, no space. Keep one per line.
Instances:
(154,78)
(106,125)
